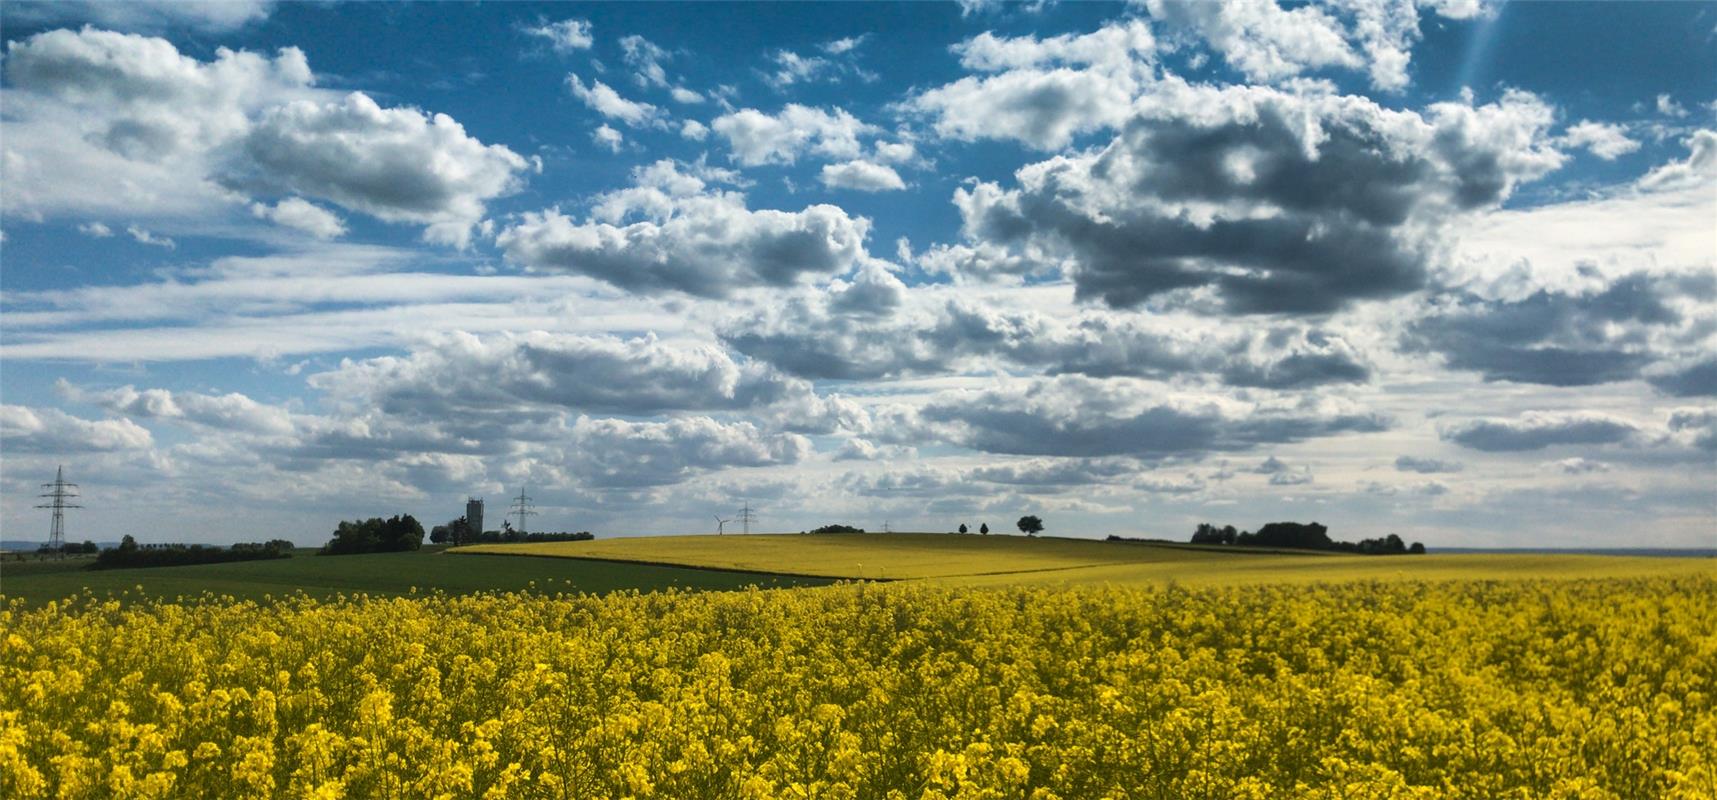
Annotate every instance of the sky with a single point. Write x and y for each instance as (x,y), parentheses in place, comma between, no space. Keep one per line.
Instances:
(1443,269)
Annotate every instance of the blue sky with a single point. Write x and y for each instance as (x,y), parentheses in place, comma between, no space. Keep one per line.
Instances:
(1445,270)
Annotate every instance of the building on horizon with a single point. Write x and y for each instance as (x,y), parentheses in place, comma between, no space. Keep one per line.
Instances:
(474,515)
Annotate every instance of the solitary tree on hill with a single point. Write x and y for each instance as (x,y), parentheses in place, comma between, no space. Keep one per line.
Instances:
(962,527)
(984,529)
(1030,525)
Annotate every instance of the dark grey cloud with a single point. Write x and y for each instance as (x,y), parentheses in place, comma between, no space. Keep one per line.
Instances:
(1077,416)
(829,338)
(1553,338)
(1272,202)
(1700,424)
(1426,466)
(1697,379)
(1536,430)
(612,453)
(1057,474)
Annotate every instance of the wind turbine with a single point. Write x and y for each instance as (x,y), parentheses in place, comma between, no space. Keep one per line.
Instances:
(721,525)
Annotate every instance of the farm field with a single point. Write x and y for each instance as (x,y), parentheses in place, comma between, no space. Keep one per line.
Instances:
(1457,689)
(386,574)
(1004,560)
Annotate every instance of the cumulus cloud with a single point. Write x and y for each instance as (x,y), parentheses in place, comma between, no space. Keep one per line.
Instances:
(833,336)
(1077,416)
(613,453)
(144,236)
(108,120)
(566,35)
(1425,466)
(1694,378)
(1605,140)
(1536,430)
(95,229)
(757,138)
(296,212)
(50,430)
(602,99)
(1667,106)
(395,164)
(1697,424)
(671,231)
(609,138)
(1042,92)
(1266,42)
(463,375)
(231,411)
(1263,200)
(863,176)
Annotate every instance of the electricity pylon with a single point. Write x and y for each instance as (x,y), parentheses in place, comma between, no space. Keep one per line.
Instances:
(59,492)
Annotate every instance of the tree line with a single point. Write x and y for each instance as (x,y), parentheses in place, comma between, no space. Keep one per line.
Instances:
(131,554)
(1310,536)
(458,531)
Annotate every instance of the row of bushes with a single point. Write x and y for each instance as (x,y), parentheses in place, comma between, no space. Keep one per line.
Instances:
(130,554)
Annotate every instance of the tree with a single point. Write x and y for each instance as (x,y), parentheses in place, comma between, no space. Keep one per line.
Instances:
(1418,549)
(962,527)
(984,529)
(1030,525)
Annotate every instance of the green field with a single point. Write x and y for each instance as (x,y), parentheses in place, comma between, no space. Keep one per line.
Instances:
(381,574)
(1005,560)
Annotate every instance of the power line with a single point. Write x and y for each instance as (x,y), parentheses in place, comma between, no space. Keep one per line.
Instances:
(746,516)
(521,508)
(59,493)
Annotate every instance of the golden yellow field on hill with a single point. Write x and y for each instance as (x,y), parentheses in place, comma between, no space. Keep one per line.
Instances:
(1456,690)
(1002,560)
(890,556)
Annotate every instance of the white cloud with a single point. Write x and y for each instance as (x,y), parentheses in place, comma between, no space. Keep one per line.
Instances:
(683,95)
(1266,42)
(1667,106)
(295,212)
(148,16)
(602,99)
(757,138)
(863,176)
(113,122)
(476,379)
(231,411)
(395,164)
(95,229)
(145,237)
(1047,90)
(671,232)
(566,35)
(1605,140)
(52,431)
(694,130)
(608,137)
(645,58)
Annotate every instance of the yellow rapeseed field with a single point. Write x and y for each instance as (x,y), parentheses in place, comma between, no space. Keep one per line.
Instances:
(1476,689)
